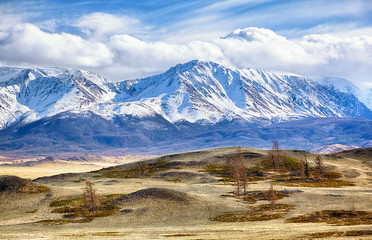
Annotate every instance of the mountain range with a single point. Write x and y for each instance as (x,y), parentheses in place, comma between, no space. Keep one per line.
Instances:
(193,105)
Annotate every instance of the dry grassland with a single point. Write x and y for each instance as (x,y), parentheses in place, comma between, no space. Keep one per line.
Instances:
(173,197)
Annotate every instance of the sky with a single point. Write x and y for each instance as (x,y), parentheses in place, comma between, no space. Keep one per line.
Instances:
(132,39)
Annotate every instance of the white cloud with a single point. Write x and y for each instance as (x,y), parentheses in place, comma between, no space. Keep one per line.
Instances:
(329,55)
(101,25)
(155,57)
(262,48)
(111,51)
(27,44)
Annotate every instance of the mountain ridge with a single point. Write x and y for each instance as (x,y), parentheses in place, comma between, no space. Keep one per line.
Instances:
(190,102)
(196,91)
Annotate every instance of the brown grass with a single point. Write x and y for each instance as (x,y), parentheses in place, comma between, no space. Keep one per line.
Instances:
(328,183)
(219,169)
(352,233)
(33,188)
(138,171)
(180,235)
(64,221)
(249,198)
(246,216)
(337,217)
(264,195)
(262,212)
(273,207)
(95,234)
(33,211)
(65,202)
(75,212)
(14,184)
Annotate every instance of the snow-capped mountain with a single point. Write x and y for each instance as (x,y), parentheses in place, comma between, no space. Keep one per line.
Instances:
(200,101)
(333,148)
(365,95)
(203,92)
(338,83)
(31,94)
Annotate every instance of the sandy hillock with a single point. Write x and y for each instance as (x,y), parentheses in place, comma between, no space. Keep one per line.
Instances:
(13,184)
(157,193)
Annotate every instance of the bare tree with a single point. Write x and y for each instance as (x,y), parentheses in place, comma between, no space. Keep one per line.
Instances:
(319,166)
(237,169)
(91,199)
(242,169)
(275,156)
(272,197)
(302,169)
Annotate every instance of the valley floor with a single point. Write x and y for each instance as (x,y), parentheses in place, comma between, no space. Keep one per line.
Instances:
(190,218)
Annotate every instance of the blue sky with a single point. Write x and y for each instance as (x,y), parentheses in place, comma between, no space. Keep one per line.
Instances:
(291,18)
(129,39)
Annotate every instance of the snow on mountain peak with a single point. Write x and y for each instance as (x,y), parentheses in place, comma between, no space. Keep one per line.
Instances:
(196,91)
(253,34)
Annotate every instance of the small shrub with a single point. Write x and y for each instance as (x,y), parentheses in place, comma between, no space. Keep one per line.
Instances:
(76,212)
(289,163)
(65,202)
(332,175)
(67,209)
(33,211)
(265,195)
(249,198)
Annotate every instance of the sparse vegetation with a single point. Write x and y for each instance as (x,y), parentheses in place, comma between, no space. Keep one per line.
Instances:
(266,195)
(162,211)
(262,212)
(76,211)
(137,171)
(219,169)
(319,166)
(180,235)
(13,184)
(91,199)
(246,216)
(325,183)
(96,234)
(351,233)
(33,210)
(237,170)
(337,217)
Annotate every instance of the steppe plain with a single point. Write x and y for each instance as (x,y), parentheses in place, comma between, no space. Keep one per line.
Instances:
(183,200)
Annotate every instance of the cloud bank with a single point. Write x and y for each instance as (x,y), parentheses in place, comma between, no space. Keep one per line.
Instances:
(108,46)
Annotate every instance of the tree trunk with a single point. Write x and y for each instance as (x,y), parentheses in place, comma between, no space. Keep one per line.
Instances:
(238,186)
(245,186)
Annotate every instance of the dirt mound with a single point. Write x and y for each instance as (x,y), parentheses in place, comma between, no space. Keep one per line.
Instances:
(85,158)
(359,153)
(157,193)
(180,176)
(11,183)
(57,178)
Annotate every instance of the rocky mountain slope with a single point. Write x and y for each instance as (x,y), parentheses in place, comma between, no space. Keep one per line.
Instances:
(37,105)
